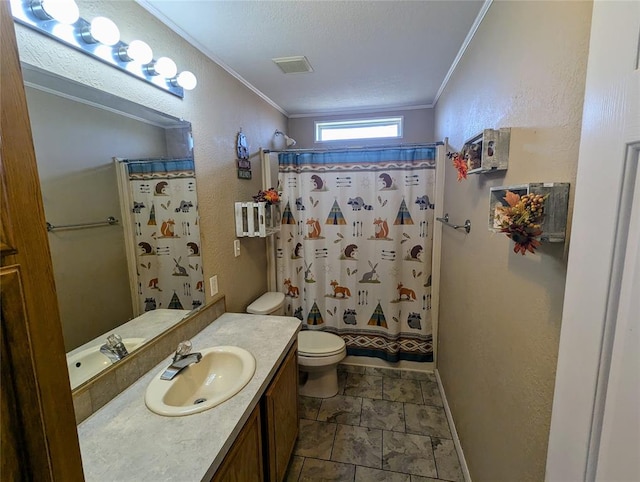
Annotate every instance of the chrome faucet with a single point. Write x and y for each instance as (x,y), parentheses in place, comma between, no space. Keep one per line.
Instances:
(181,360)
(114,349)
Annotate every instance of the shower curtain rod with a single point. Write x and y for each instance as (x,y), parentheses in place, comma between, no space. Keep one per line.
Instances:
(359,148)
(151,159)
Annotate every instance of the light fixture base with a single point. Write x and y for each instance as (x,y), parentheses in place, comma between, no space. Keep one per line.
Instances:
(74,37)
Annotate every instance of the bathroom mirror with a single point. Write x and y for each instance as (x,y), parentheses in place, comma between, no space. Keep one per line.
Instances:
(77,133)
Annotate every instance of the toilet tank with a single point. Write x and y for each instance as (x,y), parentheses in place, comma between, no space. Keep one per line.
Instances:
(271,303)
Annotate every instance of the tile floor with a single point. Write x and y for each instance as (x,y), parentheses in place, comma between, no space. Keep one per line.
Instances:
(384,425)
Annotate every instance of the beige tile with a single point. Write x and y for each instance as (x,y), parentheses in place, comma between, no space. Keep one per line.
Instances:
(447,462)
(368,386)
(431,393)
(128,373)
(408,453)
(426,420)
(308,407)
(82,405)
(401,390)
(103,390)
(315,439)
(417,375)
(383,372)
(341,409)
(367,474)
(382,414)
(342,381)
(314,470)
(358,445)
(294,469)
(351,368)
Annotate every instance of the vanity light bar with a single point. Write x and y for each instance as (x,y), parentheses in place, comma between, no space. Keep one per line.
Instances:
(78,36)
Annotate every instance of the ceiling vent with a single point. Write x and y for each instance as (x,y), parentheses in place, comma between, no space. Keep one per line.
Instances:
(293,65)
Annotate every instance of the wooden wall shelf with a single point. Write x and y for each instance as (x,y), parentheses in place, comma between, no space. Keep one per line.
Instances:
(554,224)
(488,151)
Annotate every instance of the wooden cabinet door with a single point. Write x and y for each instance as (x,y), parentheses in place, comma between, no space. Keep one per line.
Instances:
(23,457)
(39,437)
(243,463)
(280,406)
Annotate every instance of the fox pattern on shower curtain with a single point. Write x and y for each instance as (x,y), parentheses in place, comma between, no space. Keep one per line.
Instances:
(354,251)
(167,234)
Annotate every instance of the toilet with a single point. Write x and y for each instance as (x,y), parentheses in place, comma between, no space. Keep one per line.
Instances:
(271,303)
(319,352)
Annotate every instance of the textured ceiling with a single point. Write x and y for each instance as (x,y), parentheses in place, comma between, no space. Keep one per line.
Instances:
(366,55)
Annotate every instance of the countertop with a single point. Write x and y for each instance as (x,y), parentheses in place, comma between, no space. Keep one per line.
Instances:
(125,441)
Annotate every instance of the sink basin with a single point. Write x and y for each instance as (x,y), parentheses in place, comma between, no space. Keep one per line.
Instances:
(90,362)
(221,373)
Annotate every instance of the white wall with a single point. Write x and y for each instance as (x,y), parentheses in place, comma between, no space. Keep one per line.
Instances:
(218,108)
(500,312)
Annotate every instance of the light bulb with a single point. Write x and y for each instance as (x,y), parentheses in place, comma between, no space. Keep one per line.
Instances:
(187,80)
(137,51)
(165,67)
(104,31)
(64,11)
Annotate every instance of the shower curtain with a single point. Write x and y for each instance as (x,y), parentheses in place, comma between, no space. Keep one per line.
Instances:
(161,197)
(354,253)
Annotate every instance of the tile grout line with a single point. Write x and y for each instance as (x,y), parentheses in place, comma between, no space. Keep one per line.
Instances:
(454,433)
(424,402)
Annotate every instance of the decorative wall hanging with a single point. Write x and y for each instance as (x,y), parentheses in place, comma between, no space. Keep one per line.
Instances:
(484,152)
(459,163)
(244,164)
(530,214)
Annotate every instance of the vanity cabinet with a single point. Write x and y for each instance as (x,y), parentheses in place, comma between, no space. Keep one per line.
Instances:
(243,463)
(265,444)
(280,409)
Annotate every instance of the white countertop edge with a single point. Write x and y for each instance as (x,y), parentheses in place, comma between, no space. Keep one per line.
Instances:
(125,441)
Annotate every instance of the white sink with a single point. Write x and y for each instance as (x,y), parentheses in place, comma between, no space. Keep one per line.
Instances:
(221,373)
(90,362)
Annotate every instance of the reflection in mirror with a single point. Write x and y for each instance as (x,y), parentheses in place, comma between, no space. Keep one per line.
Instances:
(100,281)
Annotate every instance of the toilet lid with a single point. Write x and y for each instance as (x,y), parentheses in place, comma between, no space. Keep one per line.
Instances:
(267,303)
(319,343)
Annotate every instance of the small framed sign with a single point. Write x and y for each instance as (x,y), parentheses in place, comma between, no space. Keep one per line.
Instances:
(244,174)
(244,164)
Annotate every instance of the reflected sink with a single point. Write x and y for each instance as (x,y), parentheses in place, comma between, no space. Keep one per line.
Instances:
(90,362)
(221,373)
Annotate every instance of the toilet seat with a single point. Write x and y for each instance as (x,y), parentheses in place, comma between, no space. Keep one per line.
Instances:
(319,344)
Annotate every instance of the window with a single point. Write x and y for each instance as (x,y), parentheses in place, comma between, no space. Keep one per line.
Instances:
(390,127)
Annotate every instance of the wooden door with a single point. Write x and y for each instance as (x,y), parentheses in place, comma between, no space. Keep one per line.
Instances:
(595,424)
(281,417)
(39,438)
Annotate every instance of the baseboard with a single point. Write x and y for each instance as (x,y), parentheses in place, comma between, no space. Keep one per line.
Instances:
(365,361)
(454,432)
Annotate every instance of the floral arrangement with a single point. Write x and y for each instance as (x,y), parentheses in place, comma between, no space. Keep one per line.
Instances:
(459,163)
(521,220)
(270,196)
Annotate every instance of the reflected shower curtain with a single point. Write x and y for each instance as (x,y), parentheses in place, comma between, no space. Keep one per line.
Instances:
(167,235)
(354,252)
